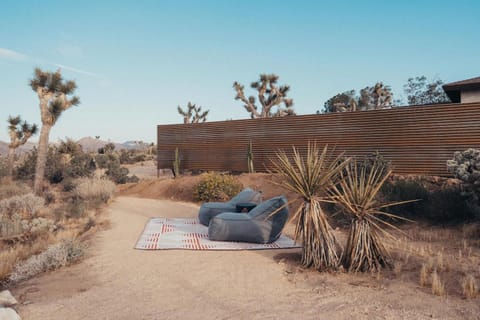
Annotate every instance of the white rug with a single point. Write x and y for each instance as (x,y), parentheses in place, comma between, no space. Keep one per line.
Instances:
(190,234)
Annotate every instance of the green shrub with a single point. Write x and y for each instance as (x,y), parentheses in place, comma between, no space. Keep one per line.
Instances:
(119,174)
(103,161)
(76,208)
(216,187)
(437,206)
(59,166)
(404,190)
(81,165)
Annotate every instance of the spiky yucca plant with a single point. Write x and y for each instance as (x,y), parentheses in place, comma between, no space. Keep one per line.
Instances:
(311,179)
(356,193)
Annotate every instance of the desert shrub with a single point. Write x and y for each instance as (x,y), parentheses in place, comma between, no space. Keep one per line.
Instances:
(119,174)
(69,184)
(102,160)
(3,167)
(466,167)
(59,165)
(403,190)
(10,225)
(81,165)
(54,257)
(38,226)
(216,187)
(13,188)
(75,208)
(27,204)
(375,159)
(94,188)
(69,146)
(439,206)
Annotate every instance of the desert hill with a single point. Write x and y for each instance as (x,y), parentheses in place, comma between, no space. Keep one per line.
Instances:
(88,144)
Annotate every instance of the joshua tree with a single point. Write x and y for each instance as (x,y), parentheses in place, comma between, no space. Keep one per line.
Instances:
(54,94)
(377,97)
(312,179)
(193,114)
(19,133)
(269,95)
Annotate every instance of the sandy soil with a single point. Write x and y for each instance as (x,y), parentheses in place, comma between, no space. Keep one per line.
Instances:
(117,282)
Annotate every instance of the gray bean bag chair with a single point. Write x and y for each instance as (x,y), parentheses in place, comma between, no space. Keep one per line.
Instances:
(208,210)
(257,226)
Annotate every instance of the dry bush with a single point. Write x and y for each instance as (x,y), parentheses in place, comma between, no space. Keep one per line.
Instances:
(10,226)
(7,261)
(26,204)
(424,271)
(471,231)
(38,226)
(9,189)
(93,189)
(438,287)
(8,258)
(56,256)
(469,286)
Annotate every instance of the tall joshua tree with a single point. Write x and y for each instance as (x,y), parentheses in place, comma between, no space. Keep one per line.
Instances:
(55,95)
(19,133)
(193,114)
(269,95)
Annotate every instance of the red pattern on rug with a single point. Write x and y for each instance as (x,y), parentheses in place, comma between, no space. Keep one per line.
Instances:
(190,234)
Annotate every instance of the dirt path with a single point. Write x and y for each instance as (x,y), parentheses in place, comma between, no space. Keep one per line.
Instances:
(117,282)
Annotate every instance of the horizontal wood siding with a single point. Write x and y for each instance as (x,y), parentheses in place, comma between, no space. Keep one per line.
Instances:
(418,140)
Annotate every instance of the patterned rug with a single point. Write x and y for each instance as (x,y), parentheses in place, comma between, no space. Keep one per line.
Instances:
(190,234)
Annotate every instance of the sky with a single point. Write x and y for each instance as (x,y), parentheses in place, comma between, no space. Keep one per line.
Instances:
(135,61)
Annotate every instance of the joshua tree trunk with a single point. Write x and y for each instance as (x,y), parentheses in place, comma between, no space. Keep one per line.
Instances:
(11,159)
(41,158)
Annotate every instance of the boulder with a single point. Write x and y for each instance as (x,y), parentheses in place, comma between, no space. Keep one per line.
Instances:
(6,299)
(9,314)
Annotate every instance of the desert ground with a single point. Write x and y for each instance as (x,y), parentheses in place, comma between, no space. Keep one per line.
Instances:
(116,281)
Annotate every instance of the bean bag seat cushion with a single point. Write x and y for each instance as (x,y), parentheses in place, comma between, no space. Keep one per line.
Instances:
(208,210)
(257,226)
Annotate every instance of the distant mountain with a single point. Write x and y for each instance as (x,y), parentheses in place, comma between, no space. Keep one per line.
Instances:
(91,144)
(88,144)
(25,148)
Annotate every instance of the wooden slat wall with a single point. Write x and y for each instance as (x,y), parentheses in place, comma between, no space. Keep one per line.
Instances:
(418,140)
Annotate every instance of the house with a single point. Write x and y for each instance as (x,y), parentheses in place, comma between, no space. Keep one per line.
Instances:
(464,91)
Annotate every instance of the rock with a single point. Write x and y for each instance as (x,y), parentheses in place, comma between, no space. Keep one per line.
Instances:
(6,299)
(9,314)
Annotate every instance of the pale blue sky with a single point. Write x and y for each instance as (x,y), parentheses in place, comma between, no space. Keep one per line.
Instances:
(135,61)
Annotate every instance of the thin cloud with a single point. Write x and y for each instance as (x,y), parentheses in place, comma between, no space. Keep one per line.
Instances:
(88,73)
(11,54)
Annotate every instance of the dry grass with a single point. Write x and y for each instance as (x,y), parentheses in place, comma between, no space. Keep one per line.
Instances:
(424,275)
(10,188)
(91,189)
(438,287)
(469,286)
